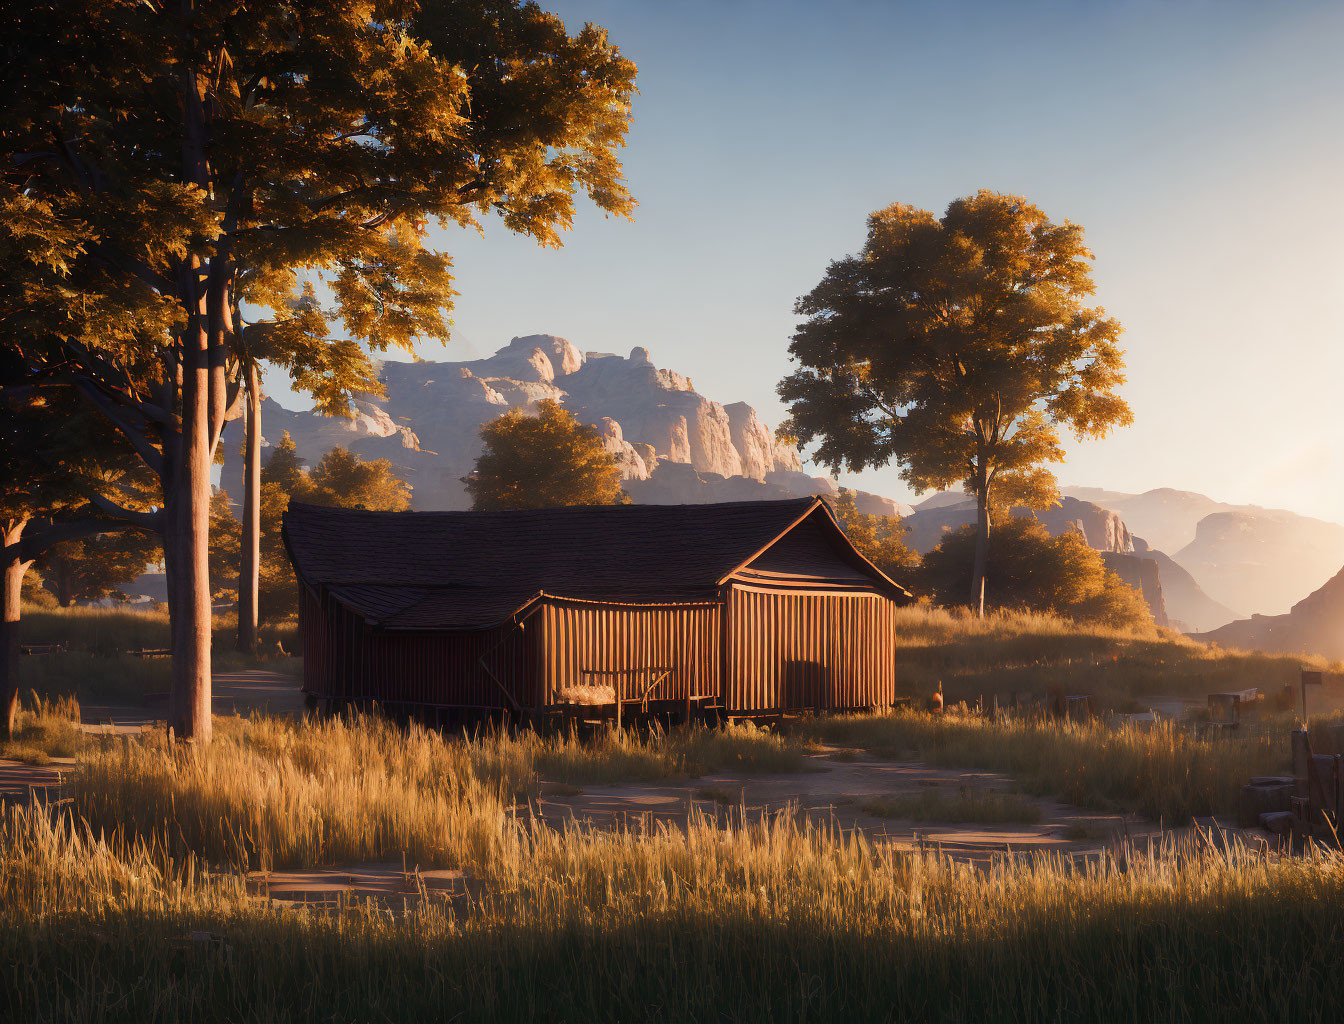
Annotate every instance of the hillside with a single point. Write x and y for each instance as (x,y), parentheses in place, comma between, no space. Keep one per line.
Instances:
(1315,625)
(673,444)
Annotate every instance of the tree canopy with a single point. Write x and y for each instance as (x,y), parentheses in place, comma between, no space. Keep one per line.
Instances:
(542,461)
(957,347)
(167,165)
(97,567)
(343,478)
(1028,568)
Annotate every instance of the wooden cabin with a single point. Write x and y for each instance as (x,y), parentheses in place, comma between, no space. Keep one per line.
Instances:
(742,609)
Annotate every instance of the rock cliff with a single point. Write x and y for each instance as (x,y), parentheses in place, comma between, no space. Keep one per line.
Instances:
(1262,559)
(937,516)
(672,443)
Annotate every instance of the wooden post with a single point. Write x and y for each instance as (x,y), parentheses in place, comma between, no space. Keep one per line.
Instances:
(616,689)
(1301,761)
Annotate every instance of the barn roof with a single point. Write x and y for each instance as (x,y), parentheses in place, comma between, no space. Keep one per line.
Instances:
(469,570)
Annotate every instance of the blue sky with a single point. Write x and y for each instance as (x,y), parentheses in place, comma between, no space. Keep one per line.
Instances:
(1201,145)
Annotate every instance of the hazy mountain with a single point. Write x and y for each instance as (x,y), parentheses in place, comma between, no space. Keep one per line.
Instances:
(1244,556)
(1315,625)
(942,499)
(931,520)
(1262,559)
(1166,518)
(1188,606)
(672,443)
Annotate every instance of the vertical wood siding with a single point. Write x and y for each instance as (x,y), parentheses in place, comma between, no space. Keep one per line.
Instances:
(789,651)
(578,638)
(345,659)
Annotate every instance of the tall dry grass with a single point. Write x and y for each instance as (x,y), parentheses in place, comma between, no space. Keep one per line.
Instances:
(1163,772)
(283,793)
(680,753)
(269,792)
(47,728)
(758,921)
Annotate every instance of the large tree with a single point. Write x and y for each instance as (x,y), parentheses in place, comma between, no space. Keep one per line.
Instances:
(958,347)
(542,461)
(165,163)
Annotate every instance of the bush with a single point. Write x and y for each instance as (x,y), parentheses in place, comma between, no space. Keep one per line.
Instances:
(1030,569)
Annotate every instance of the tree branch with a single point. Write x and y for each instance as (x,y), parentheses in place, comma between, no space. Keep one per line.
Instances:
(139,440)
(37,541)
(143,520)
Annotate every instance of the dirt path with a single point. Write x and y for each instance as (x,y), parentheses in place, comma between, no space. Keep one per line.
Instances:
(837,792)
(20,782)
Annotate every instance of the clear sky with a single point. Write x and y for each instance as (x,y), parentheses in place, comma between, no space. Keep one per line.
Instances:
(1201,145)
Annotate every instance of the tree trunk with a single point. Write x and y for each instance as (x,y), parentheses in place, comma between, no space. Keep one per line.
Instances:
(250,567)
(979,571)
(14,569)
(65,586)
(186,546)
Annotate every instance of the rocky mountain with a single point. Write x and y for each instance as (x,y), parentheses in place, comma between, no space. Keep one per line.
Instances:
(1165,517)
(1244,556)
(672,443)
(1104,530)
(1189,607)
(1314,625)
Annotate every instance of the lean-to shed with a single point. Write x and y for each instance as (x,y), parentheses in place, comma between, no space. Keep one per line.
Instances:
(749,608)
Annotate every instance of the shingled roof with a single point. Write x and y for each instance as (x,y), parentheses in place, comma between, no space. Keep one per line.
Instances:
(468,570)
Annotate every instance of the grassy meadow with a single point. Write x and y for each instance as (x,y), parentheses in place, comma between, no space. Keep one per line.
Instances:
(127,899)
(128,904)
(1163,771)
(1030,652)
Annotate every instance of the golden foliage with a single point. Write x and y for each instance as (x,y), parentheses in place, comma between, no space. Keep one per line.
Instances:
(542,461)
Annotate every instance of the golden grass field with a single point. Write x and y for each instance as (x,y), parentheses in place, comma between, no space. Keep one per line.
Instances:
(727,917)
(749,919)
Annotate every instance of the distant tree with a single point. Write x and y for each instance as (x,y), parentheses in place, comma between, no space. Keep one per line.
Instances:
(881,539)
(542,461)
(164,165)
(225,538)
(97,567)
(340,479)
(1028,568)
(957,347)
